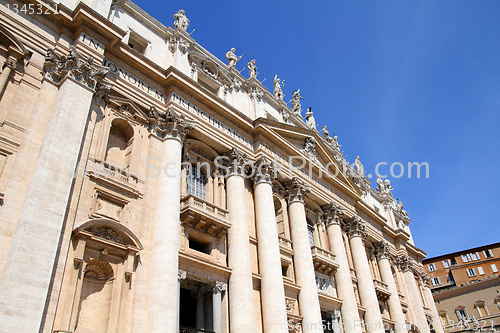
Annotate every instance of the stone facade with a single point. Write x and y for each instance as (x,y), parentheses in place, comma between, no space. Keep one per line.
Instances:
(141,191)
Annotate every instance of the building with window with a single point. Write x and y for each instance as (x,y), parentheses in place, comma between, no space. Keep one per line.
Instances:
(141,191)
(466,288)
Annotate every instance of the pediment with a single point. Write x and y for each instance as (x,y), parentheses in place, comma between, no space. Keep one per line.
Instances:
(295,140)
(128,108)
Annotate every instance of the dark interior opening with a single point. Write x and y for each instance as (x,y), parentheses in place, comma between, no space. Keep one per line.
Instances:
(198,245)
(187,313)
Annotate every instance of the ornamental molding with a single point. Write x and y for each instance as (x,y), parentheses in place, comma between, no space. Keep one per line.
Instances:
(382,250)
(10,62)
(426,279)
(86,71)
(310,147)
(107,234)
(333,214)
(405,263)
(296,190)
(219,287)
(169,124)
(355,227)
(181,275)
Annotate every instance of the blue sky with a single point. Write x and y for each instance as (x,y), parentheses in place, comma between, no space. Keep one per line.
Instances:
(397,81)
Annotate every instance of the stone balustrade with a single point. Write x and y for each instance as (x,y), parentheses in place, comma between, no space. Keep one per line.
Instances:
(324,261)
(204,216)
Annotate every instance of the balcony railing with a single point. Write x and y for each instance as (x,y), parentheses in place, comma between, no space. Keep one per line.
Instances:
(382,290)
(324,261)
(183,329)
(204,216)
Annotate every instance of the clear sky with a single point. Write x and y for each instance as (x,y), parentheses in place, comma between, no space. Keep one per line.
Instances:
(397,81)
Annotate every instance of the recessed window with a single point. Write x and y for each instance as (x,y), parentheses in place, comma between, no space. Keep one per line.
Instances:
(471,272)
(436,281)
(284,270)
(431,267)
(494,268)
(461,313)
(475,256)
(199,245)
(137,42)
(465,258)
(446,263)
(488,254)
(196,182)
(480,270)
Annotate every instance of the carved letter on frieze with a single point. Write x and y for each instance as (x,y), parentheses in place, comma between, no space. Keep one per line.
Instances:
(85,71)
(355,227)
(296,190)
(332,214)
(169,124)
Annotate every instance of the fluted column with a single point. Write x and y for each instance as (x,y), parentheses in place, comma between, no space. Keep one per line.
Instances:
(415,301)
(356,230)
(241,304)
(37,239)
(8,66)
(217,291)
(304,268)
(171,129)
(438,326)
(345,288)
(272,289)
(384,264)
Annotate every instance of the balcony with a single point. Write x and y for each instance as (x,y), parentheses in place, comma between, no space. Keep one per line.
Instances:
(324,261)
(382,290)
(204,216)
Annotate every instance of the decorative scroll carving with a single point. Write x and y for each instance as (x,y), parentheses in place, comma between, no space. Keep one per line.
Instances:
(310,147)
(85,71)
(169,124)
(178,42)
(11,62)
(264,171)
(382,250)
(237,162)
(426,279)
(291,305)
(405,263)
(296,190)
(219,287)
(108,234)
(355,227)
(332,214)
(255,93)
(181,275)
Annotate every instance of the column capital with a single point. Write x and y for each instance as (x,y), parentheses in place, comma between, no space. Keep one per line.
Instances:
(382,250)
(296,190)
(181,275)
(426,279)
(405,263)
(236,162)
(263,171)
(219,287)
(355,227)
(169,124)
(332,214)
(86,71)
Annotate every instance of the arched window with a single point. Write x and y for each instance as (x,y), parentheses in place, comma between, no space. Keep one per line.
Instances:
(481,308)
(310,231)
(119,148)
(196,182)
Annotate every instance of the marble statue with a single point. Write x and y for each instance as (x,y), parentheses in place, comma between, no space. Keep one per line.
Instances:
(252,69)
(181,21)
(332,141)
(325,132)
(296,105)
(359,166)
(278,93)
(232,58)
(383,187)
(310,121)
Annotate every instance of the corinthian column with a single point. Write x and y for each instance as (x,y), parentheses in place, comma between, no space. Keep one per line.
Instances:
(415,301)
(37,238)
(384,264)
(438,327)
(345,288)
(171,129)
(272,289)
(304,268)
(241,305)
(356,230)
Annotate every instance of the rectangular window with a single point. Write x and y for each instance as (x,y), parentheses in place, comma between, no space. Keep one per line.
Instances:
(494,268)
(471,272)
(462,314)
(431,267)
(480,270)
(475,256)
(488,254)
(465,258)
(436,281)
(446,263)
